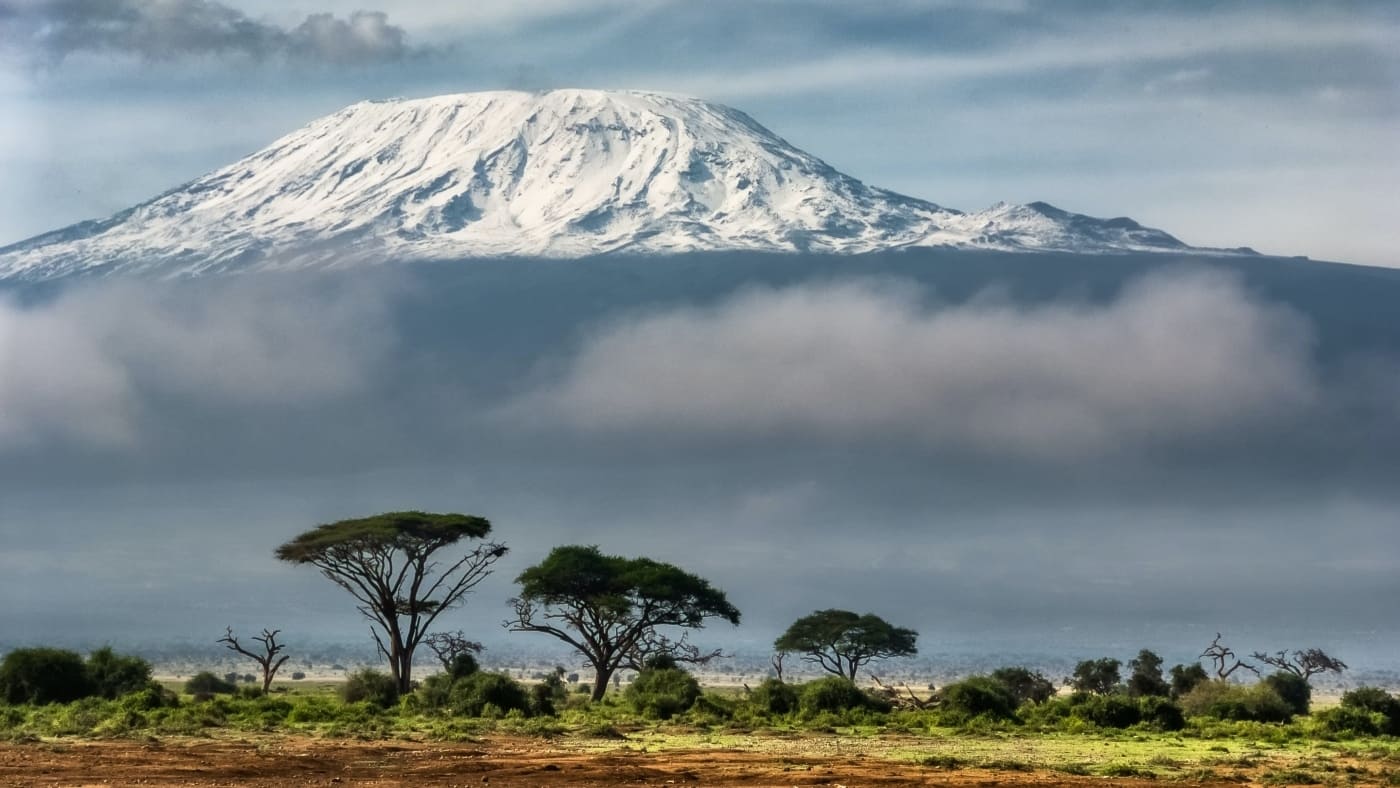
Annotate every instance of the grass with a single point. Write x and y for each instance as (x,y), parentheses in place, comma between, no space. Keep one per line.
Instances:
(1206,751)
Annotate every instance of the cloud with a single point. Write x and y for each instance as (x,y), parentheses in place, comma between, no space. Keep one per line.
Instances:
(165,30)
(93,366)
(1176,360)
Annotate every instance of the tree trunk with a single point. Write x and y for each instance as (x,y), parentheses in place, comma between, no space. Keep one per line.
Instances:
(600,683)
(267,679)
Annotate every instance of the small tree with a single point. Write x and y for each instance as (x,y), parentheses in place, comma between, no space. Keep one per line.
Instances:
(454,652)
(1024,684)
(1145,676)
(611,609)
(1096,676)
(267,659)
(841,641)
(1303,664)
(390,564)
(1186,677)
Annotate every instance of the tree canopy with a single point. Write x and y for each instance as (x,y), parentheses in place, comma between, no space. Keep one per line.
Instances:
(612,609)
(389,563)
(841,641)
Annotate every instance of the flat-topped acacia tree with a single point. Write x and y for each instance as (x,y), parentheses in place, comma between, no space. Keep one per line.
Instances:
(841,641)
(391,564)
(611,609)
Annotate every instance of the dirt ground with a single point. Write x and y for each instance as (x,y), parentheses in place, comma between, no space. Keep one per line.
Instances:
(492,761)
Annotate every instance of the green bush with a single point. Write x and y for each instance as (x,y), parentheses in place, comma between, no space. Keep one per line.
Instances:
(1161,714)
(463,665)
(662,692)
(1352,721)
(1106,711)
(206,683)
(1025,685)
(1096,676)
(774,697)
(1377,701)
(549,693)
(1224,701)
(370,686)
(977,696)
(1293,689)
(114,675)
(44,675)
(1186,678)
(487,694)
(833,694)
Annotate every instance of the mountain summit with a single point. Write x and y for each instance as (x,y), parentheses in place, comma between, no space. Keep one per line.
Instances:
(563,173)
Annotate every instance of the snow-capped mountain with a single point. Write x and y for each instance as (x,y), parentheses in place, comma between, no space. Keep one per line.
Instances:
(564,173)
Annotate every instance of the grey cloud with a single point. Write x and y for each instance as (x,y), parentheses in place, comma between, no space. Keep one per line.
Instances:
(178,29)
(87,367)
(1175,360)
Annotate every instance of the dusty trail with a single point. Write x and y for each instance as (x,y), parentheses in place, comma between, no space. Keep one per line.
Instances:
(492,761)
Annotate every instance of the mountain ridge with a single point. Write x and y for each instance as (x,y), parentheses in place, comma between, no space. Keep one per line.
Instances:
(562,174)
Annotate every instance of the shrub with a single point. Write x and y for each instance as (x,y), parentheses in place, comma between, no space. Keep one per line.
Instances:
(1377,701)
(549,693)
(1025,685)
(832,693)
(371,686)
(43,675)
(977,696)
(1352,721)
(662,692)
(206,683)
(1224,701)
(1161,714)
(1293,689)
(775,697)
(463,665)
(114,675)
(471,696)
(1106,711)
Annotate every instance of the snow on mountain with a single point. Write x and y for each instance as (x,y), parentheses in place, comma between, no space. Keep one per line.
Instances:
(564,173)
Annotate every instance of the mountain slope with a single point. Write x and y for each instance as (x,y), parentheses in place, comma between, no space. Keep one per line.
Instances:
(566,173)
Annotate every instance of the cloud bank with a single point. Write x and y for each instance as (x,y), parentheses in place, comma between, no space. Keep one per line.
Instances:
(165,30)
(90,366)
(1175,360)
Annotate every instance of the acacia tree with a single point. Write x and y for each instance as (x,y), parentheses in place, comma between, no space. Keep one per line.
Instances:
(267,659)
(841,641)
(612,609)
(390,563)
(1304,664)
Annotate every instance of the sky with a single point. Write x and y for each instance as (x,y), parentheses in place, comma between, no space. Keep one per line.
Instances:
(1050,449)
(1269,125)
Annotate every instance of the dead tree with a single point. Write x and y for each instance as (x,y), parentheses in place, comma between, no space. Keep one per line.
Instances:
(1303,664)
(892,695)
(777,661)
(449,646)
(268,659)
(1225,660)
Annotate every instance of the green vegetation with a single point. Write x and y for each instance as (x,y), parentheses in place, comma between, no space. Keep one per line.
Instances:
(841,642)
(614,611)
(391,564)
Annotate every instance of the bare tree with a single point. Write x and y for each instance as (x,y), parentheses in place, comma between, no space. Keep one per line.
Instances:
(652,644)
(1225,660)
(449,646)
(268,658)
(777,662)
(1303,664)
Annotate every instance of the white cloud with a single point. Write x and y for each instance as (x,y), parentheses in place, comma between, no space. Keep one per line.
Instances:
(1175,359)
(86,367)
